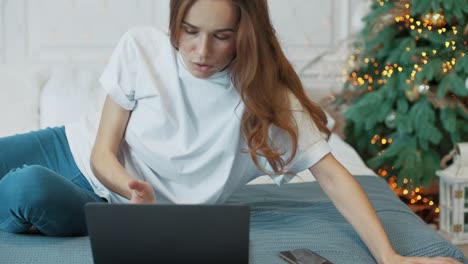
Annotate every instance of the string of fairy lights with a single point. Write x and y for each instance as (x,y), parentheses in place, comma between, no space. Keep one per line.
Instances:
(421,28)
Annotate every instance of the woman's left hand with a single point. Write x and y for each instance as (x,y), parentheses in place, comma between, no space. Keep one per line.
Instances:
(397,259)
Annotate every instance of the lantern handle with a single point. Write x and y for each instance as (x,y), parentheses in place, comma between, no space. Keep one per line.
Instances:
(447,158)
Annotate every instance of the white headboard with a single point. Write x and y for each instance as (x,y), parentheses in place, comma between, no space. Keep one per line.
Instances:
(50,32)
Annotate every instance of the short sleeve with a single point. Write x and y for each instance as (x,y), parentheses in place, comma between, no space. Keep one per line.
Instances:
(120,74)
(312,144)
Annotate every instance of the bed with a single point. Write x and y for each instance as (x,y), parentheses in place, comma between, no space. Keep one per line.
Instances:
(296,215)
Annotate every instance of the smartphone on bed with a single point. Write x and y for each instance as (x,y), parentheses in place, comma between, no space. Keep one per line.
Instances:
(303,256)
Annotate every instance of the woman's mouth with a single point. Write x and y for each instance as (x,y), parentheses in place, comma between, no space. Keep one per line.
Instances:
(202,67)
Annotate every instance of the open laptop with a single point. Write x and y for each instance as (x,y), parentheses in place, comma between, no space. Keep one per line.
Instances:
(127,233)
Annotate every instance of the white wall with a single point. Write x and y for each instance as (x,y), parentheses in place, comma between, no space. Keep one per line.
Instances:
(49,32)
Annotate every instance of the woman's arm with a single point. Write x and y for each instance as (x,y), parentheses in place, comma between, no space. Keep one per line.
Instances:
(353,203)
(104,163)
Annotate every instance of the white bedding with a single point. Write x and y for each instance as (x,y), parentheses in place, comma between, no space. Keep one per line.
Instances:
(342,151)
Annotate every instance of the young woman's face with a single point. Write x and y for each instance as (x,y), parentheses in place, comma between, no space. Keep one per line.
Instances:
(207,41)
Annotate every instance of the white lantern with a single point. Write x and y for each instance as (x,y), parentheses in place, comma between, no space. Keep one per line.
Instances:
(453,196)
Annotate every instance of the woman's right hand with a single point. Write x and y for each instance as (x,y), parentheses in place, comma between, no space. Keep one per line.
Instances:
(142,192)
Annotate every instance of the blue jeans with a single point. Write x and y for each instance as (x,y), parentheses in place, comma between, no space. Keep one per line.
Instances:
(41,186)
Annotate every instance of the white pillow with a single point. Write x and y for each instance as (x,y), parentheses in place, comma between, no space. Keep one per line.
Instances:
(342,151)
(19,100)
(70,92)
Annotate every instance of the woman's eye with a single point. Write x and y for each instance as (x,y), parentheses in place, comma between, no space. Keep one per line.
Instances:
(222,37)
(191,32)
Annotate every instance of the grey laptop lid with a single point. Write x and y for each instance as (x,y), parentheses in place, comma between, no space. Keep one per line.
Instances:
(125,233)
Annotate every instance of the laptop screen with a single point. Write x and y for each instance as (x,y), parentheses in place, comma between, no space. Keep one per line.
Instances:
(127,233)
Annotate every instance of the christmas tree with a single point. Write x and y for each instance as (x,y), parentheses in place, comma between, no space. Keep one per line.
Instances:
(407,91)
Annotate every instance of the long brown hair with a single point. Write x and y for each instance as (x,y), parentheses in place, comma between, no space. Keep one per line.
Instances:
(264,78)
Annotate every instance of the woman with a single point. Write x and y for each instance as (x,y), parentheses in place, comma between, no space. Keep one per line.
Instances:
(188,118)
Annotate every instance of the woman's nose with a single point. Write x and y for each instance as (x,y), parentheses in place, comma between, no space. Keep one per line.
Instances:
(203,48)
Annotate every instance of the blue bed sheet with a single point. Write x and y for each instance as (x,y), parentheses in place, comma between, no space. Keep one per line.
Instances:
(301,216)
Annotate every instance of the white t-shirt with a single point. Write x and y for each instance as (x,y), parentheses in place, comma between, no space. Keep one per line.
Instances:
(184,133)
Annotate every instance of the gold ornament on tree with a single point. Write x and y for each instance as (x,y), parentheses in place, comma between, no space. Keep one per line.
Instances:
(400,9)
(415,93)
(434,19)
